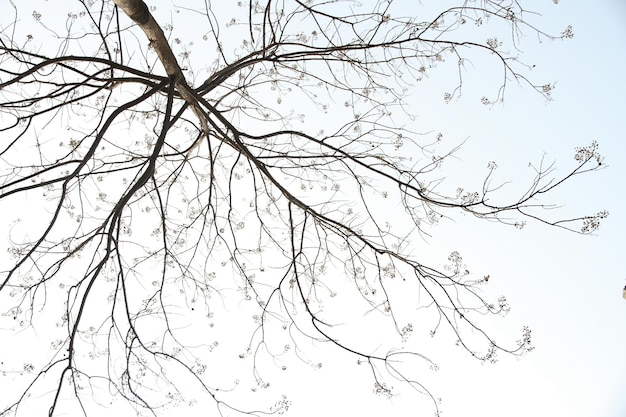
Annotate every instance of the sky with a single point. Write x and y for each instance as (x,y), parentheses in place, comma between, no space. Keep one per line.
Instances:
(566,287)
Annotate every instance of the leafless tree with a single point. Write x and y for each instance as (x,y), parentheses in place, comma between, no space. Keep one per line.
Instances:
(169,172)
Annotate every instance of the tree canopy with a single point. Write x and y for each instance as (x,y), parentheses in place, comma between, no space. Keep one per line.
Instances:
(202,185)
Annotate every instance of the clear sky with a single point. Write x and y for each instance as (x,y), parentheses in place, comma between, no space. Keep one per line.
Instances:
(566,287)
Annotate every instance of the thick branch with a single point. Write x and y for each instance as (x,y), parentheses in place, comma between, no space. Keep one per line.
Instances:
(139,13)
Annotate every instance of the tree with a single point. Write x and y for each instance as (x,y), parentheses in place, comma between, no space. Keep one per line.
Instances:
(177,178)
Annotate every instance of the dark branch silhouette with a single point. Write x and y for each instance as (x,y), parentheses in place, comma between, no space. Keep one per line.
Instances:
(264,166)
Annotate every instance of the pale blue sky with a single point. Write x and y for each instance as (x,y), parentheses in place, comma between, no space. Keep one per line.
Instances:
(566,287)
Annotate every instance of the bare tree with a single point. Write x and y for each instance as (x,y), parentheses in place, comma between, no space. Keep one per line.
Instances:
(175,170)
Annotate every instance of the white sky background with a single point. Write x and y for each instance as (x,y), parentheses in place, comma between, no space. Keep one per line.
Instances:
(566,287)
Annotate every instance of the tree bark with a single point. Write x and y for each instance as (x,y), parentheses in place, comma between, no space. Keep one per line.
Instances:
(138,12)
